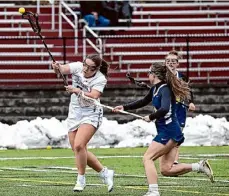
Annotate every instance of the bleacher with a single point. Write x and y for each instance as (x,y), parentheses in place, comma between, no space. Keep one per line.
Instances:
(23,58)
(159,28)
(199,27)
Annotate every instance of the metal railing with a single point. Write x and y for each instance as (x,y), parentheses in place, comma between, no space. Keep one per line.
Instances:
(198,68)
(53,12)
(73,25)
(98,49)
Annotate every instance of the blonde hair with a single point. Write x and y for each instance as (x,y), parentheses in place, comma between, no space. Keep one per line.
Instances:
(179,87)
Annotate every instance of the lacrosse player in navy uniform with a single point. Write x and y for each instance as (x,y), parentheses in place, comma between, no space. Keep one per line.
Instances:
(172,60)
(83,121)
(166,86)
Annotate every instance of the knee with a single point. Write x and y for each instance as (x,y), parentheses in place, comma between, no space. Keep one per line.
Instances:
(165,170)
(106,22)
(147,157)
(78,147)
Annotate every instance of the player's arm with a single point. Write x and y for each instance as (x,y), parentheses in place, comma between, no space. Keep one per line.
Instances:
(97,89)
(192,106)
(139,103)
(64,69)
(95,92)
(165,105)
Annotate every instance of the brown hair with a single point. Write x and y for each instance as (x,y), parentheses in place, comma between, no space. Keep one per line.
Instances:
(174,52)
(99,62)
(178,86)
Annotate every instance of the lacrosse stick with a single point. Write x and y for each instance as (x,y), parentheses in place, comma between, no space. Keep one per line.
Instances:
(137,82)
(85,101)
(143,84)
(33,20)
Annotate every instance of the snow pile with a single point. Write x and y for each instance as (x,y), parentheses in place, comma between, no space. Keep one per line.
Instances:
(203,130)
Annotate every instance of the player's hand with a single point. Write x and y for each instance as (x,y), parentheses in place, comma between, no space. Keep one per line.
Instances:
(72,89)
(55,65)
(118,108)
(146,118)
(192,107)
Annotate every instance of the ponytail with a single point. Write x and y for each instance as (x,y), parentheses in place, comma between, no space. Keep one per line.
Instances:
(179,87)
(104,68)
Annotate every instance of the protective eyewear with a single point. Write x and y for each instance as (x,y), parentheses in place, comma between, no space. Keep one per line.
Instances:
(173,61)
(89,67)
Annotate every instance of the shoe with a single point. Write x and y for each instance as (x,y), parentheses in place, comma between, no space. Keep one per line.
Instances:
(206,169)
(152,193)
(108,178)
(79,186)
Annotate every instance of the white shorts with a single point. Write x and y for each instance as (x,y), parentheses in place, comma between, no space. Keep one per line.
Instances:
(87,115)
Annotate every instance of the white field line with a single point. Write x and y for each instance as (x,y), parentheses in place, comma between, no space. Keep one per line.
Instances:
(66,183)
(118,175)
(206,155)
(106,157)
(130,187)
(33,158)
(73,170)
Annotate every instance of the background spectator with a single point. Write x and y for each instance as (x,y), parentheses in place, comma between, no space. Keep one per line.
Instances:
(91,11)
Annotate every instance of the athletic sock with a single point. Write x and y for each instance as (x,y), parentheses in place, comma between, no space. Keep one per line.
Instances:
(81,178)
(195,166)
(103,171)
(153,187)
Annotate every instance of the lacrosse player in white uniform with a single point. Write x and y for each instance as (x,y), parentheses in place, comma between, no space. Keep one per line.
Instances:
(84,119)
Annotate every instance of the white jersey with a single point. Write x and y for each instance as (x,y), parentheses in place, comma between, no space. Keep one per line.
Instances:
(97,82)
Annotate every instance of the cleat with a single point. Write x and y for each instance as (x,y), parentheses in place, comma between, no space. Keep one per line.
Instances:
(206,169)
(108,179)
(152,193)
(79,187)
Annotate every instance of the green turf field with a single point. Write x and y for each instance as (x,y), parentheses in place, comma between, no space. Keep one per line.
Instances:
(50,173)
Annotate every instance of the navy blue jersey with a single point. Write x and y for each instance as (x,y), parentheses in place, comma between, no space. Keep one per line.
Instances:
(164,112)
(162,98)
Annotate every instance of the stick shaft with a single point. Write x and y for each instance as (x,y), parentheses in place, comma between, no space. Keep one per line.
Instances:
(143,84)
(95,102)
(37,29)
(121,111)
(43,41)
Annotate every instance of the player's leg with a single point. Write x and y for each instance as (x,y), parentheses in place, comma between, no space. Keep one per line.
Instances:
(105,174)
(92,161)
(167,167)
(176,161)
(82,137)
(154,151)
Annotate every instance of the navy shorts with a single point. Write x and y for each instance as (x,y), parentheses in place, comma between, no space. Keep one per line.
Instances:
(169,131)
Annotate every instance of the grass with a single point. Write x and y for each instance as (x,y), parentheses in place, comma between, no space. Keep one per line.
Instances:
(26,177)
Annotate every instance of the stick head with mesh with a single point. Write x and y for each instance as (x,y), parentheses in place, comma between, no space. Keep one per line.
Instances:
(85,101)
(33,20)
